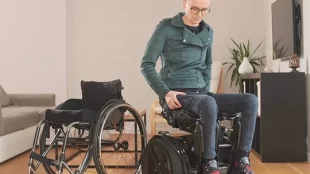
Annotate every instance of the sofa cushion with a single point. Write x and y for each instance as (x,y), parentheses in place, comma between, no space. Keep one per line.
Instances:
(39,109)
(18,118)
(4,98)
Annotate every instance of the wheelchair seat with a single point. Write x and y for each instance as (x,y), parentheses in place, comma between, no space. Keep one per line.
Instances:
(191,123)
(70,111)
(186,151)
(63,116)
(187,121)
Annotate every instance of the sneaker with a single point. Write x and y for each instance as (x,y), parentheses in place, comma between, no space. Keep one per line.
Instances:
(240,166)
(210,168)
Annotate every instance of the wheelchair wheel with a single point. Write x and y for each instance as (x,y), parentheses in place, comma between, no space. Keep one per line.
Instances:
(161,157)
(78,153)
(119,139)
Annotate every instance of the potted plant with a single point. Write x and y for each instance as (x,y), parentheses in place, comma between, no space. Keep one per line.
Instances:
(241,55)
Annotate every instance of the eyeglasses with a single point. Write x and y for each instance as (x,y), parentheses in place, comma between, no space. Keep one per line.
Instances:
(196,10)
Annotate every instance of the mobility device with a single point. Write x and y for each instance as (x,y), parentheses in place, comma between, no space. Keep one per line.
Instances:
(165,154)
(95,127)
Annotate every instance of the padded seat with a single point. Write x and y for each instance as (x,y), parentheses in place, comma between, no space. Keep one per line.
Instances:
(63,116)
(70,111)
(69,116)
(186,116)
(186,121)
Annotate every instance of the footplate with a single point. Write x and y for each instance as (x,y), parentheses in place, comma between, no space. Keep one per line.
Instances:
(192,171)
(44,160)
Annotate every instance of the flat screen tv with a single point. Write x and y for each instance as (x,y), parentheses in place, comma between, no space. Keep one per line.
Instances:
(286,28)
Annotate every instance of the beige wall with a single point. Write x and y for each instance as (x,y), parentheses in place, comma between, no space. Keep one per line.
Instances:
(87,40)
(33,46)
(275,64)
(99,39)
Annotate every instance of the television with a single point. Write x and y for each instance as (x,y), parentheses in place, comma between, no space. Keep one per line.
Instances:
(286,28)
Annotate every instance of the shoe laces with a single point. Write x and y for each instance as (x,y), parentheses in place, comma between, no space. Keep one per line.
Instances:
(244,164)
(212,168)
(215,172)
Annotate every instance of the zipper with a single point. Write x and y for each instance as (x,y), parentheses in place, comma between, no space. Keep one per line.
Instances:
(197,75)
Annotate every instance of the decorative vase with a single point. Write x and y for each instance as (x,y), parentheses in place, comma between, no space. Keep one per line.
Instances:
(294,63)
(245,66)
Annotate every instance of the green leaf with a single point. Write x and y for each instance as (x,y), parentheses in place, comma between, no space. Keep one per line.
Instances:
(257,58)
(229,69)
(235,43)
(241,52)
(233,77)
(227,63)
(248,46)
(256,48)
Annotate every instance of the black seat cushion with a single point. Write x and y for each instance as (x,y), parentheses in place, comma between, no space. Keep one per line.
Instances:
(63,116)
(190,116)
(182,118)
(69,116)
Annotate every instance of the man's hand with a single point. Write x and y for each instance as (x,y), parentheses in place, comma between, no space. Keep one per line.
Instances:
(171,99)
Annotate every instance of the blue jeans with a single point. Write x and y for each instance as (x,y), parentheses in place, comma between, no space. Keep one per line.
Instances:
(208,106)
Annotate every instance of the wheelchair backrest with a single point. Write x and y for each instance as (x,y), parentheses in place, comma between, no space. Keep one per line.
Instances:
(96,94)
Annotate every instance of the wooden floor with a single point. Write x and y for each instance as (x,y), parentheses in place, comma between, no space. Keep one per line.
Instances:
(18,165)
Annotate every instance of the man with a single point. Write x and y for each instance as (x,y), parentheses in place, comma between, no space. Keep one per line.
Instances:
(184,44)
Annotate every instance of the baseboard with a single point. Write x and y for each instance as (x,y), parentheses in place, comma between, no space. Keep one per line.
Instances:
(308,156)
(16,143)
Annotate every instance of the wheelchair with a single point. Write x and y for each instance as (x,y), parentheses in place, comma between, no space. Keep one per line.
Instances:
(93,127)
(166,154)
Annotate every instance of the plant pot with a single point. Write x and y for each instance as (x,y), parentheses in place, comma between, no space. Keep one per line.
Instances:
(245,67)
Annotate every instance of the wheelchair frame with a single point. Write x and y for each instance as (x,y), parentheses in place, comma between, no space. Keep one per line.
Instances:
(143,115)
(192,155)
(62,162)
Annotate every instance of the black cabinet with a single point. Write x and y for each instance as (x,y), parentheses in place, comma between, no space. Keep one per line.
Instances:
(281,126)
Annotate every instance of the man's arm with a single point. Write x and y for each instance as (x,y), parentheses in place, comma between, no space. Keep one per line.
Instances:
(153,50)
(207,73)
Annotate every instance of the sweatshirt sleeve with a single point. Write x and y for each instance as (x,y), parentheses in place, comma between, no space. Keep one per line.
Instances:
(208,62)
(153,50)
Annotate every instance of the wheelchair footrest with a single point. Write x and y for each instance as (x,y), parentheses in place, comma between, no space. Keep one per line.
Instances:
(192,171)
(44,160)
(223,165)
(225,145)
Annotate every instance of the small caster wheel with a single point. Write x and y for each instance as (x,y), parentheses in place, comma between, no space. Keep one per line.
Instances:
(165,133)
(77,172)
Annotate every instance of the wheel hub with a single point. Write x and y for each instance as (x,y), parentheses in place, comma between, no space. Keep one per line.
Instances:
(124,145)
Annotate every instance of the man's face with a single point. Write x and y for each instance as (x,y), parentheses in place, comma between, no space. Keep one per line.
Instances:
(195,10)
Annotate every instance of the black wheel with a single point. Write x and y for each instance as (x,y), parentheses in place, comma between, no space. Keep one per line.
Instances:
(159,157)
(114,153)
(81,153)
